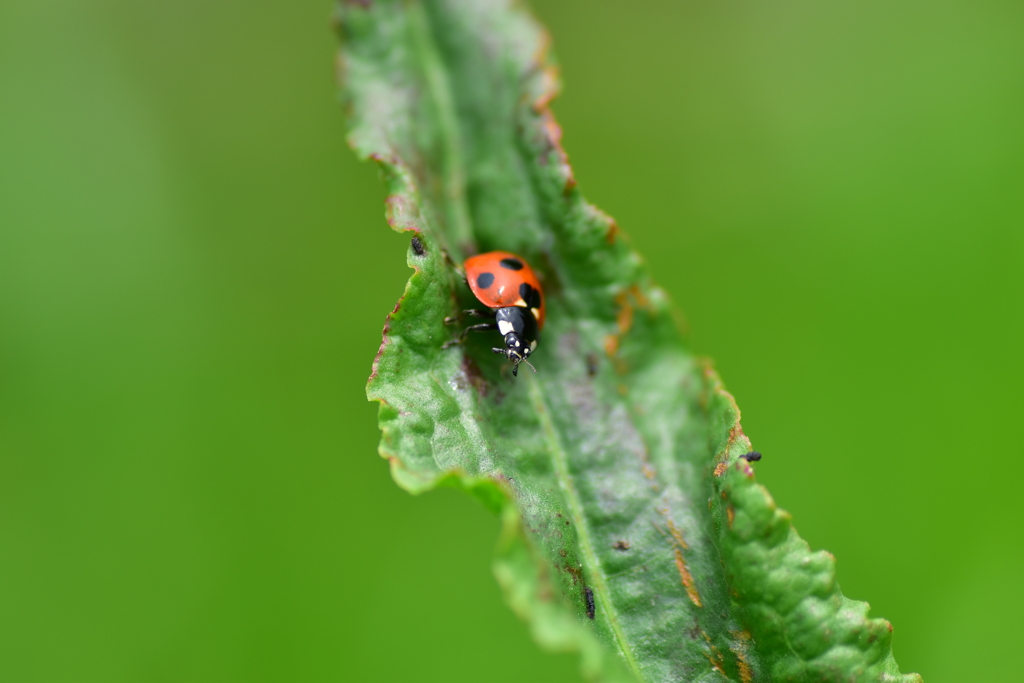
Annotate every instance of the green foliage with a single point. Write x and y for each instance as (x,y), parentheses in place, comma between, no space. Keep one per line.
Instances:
(617,469)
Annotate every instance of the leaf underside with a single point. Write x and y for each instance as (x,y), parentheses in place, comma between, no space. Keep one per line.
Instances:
(633,530)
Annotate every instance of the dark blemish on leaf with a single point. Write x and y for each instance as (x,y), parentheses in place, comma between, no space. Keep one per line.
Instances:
(511,263)
(472,373)
(575,572)
(592,364)
(562,552)
(621,546)
(588,596)
(752,456)
(485,280)
(417,247)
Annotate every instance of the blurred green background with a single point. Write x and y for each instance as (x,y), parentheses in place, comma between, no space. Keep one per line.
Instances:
(194,272)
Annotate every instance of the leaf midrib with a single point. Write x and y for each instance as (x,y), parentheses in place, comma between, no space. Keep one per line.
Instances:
(586,547)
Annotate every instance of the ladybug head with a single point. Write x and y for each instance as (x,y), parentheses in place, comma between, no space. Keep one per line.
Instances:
(516,350)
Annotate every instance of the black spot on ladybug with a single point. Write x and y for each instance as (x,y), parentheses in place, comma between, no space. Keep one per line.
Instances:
(485,280)
(534,299)
(417,247)
(525,291)
(588,596)
(511,263)
(752,456)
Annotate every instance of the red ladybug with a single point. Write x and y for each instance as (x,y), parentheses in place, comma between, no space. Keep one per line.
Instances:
(507,285)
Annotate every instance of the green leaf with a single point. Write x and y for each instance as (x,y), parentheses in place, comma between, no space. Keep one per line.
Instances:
(633,530)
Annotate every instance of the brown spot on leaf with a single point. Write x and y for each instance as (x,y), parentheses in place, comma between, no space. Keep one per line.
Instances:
(677,535)
(734,434)
(641,298)
(739,648)
(687,578)
(575,572)
(613,232)
(624,317)
(541,105)
(383,342)
(611,344)
(731,514)
(714,656)
(621,546)
(626,301)
(720,468)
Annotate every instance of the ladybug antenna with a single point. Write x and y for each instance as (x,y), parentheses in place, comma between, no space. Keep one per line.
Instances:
(515,366)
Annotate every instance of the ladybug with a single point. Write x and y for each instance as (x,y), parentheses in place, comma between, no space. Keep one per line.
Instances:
(506,284)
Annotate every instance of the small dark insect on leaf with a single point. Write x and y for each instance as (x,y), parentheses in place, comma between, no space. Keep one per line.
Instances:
(417,247)
(588,595)
(621,546)
(752,456)
(592,364)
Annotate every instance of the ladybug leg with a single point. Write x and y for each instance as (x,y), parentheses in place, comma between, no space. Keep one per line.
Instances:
(472,312)
(482,327)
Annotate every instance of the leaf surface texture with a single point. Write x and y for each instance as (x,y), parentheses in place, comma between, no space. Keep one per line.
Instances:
(634,532)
